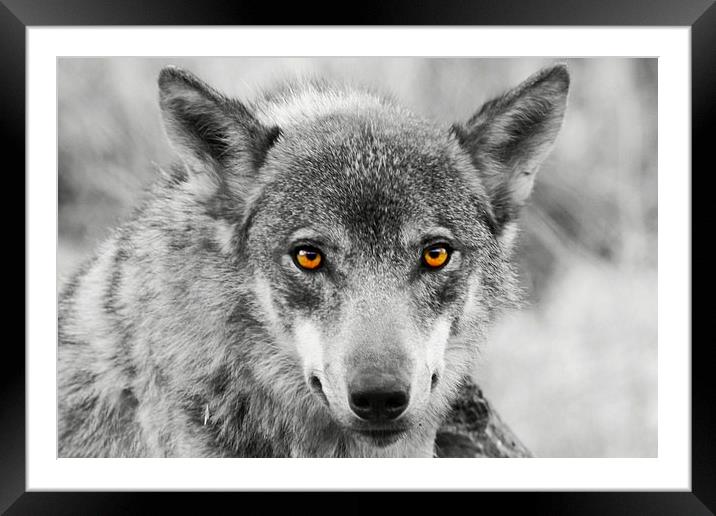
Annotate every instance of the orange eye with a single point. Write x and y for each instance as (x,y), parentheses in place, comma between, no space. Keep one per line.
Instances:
(308,258)
(436,256)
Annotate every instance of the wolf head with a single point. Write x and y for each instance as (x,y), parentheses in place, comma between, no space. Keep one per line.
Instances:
(375,243)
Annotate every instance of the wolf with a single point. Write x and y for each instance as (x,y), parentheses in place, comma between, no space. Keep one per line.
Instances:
(313,277)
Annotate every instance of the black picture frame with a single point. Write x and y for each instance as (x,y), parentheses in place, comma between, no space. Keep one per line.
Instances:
(17,15)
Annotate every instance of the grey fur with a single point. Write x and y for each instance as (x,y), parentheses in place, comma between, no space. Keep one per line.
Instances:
(187,333)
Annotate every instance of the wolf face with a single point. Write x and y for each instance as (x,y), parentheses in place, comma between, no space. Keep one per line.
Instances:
(373,245)
(385,314)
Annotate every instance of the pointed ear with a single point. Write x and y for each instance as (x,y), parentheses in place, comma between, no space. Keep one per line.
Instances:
(212,134)
(510,136)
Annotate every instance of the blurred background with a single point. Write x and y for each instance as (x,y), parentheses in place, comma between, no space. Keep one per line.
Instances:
(575,372)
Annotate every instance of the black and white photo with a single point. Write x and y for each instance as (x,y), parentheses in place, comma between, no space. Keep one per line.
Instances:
(357,257)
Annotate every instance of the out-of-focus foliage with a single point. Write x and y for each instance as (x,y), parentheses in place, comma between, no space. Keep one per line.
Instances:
(574,373)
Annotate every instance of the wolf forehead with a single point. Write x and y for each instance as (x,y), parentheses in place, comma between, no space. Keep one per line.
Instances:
(354,158)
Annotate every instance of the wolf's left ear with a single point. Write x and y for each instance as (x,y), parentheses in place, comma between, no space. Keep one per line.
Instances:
(214,135)
(510,136)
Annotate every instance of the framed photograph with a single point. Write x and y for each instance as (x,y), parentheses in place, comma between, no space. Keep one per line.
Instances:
(449,250)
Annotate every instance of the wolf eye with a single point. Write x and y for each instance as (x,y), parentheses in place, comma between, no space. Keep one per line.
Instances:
(307,258)
(436,256)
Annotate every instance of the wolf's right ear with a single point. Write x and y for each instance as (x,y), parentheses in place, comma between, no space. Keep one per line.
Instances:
(213,134)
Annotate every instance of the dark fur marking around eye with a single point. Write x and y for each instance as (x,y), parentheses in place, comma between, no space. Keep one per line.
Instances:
(448,292)
(302,297)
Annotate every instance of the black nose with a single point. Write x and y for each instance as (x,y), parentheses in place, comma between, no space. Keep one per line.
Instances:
(378,398)
(379,405)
